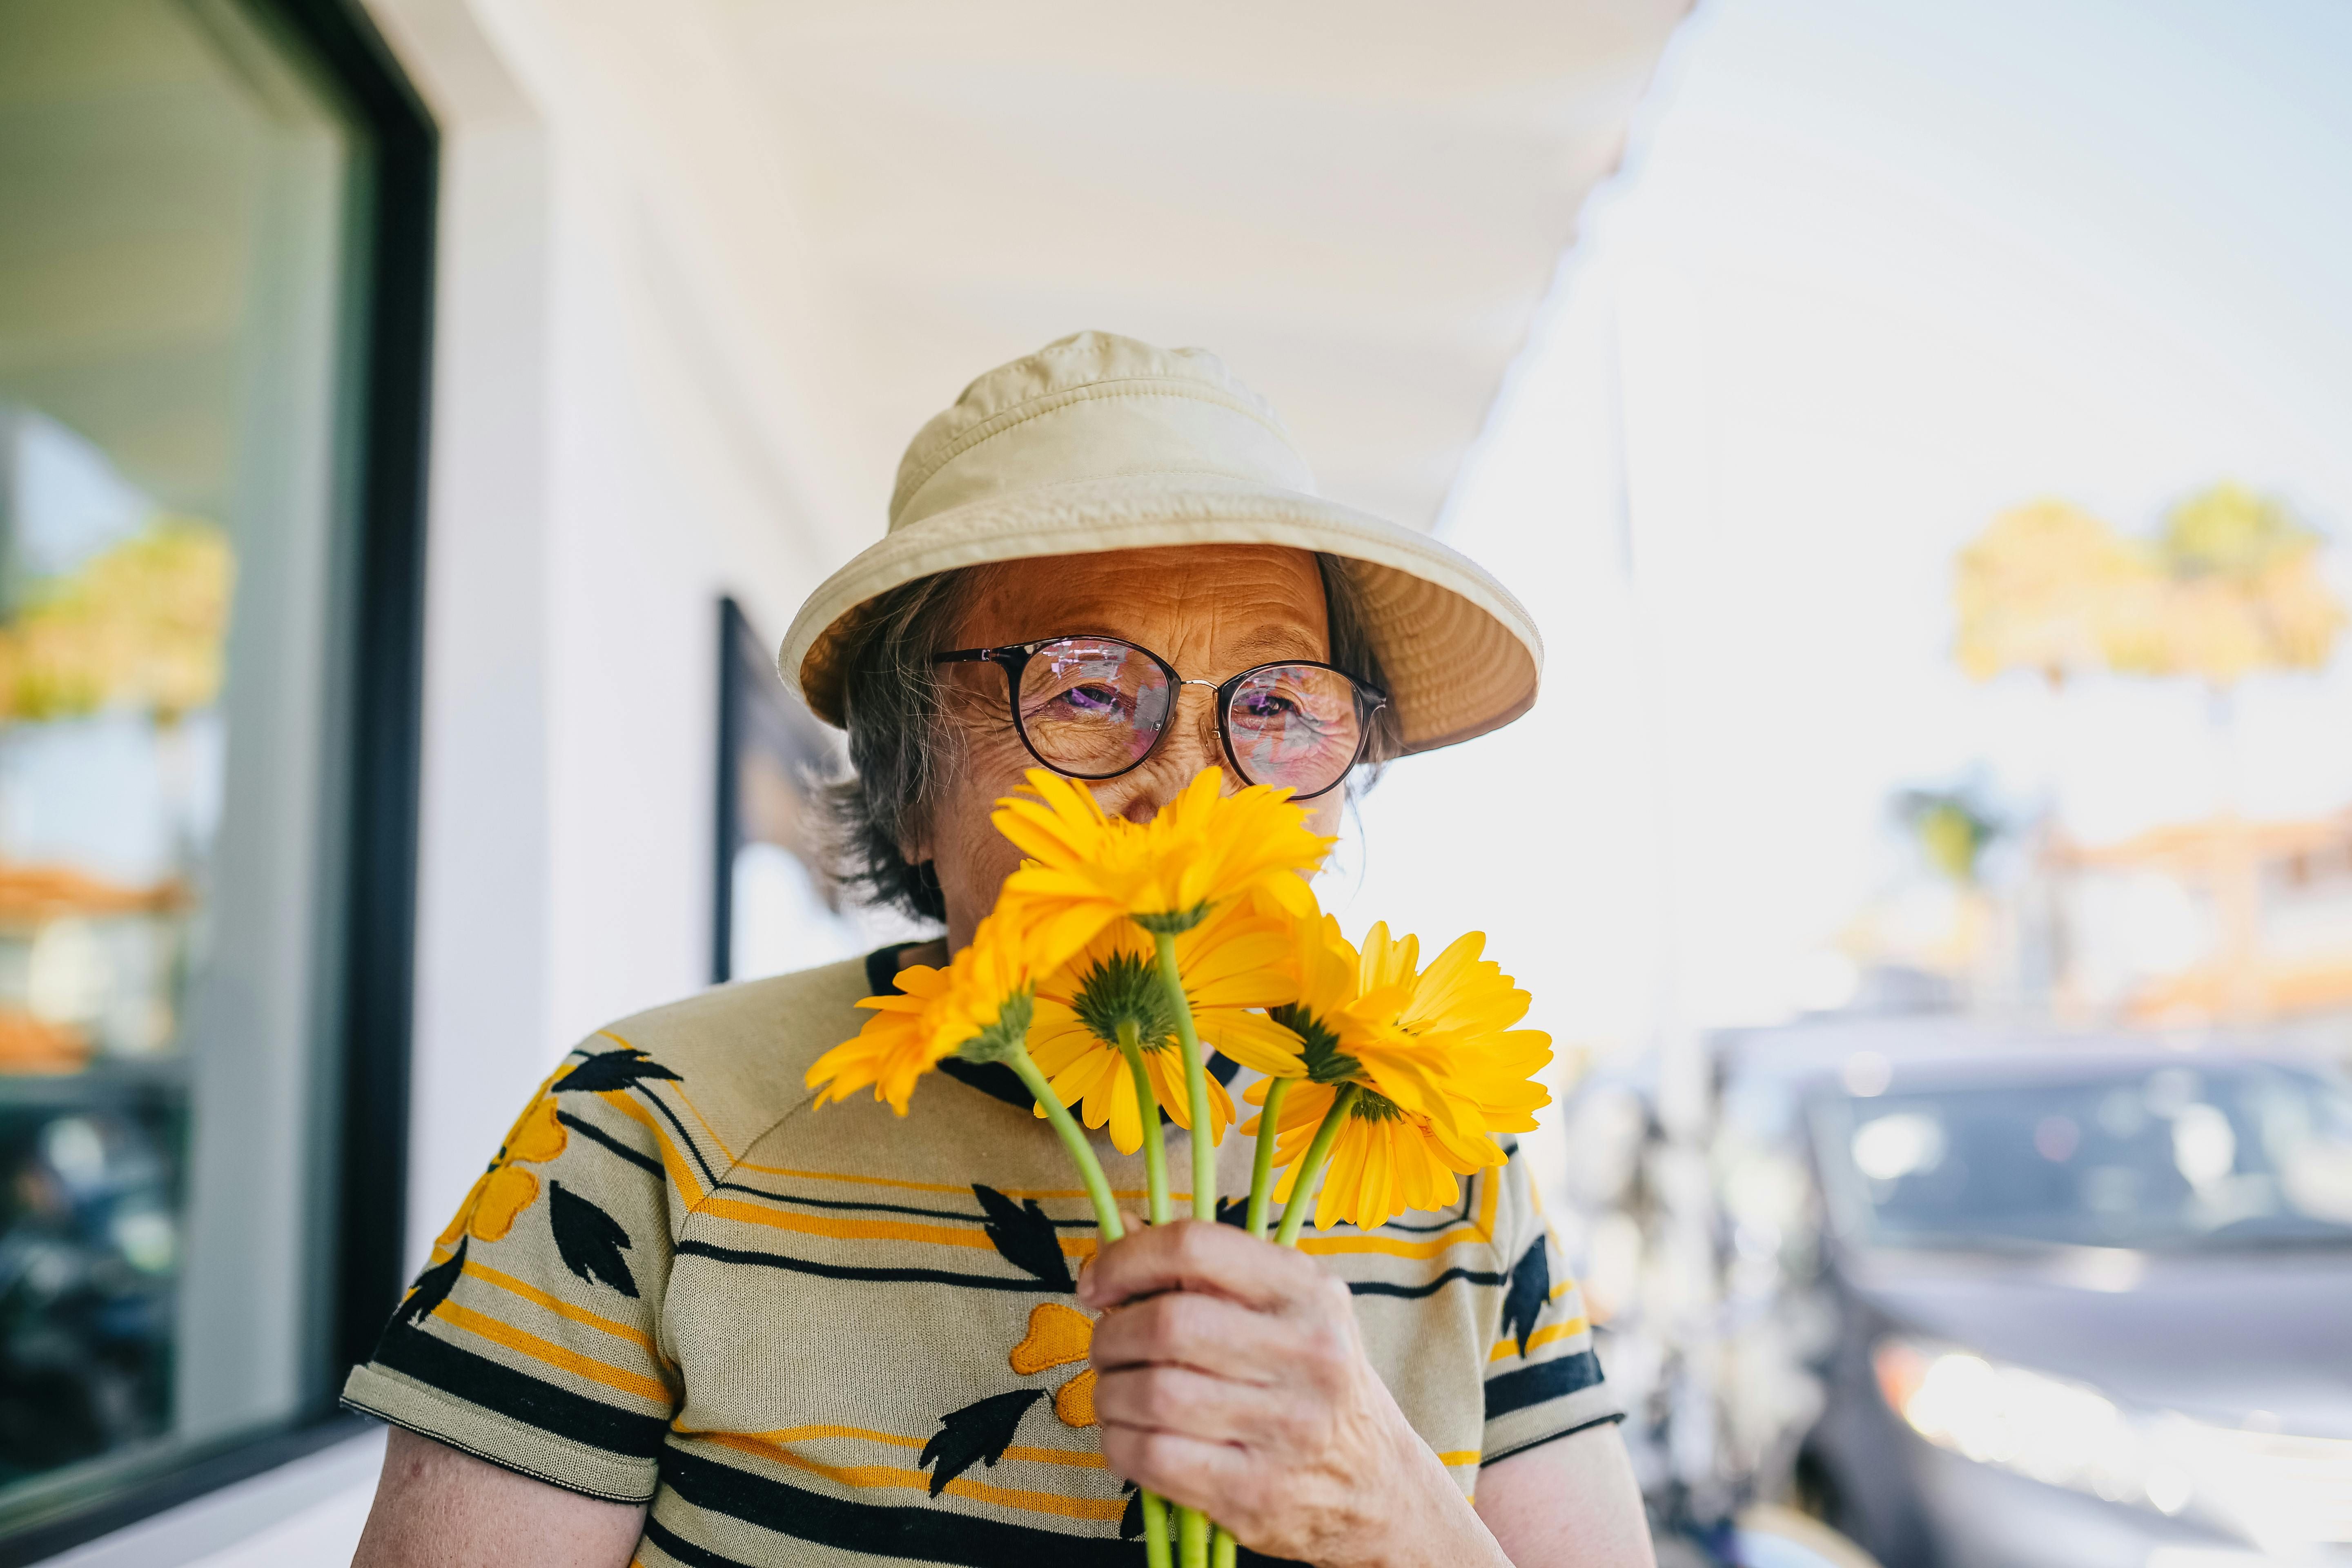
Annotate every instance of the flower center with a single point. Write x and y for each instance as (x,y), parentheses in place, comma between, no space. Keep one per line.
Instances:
(1326,1062)
(1124,991)
(1005,1035)
(1173,922)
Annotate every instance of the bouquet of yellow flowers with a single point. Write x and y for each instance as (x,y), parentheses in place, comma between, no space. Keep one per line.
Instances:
(1120,954)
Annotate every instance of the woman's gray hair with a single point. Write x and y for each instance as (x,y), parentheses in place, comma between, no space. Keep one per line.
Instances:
(899,752)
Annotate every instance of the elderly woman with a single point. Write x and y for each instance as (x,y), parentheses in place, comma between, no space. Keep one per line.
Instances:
(684,1319)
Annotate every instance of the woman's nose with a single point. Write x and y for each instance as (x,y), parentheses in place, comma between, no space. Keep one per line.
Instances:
(1190,746)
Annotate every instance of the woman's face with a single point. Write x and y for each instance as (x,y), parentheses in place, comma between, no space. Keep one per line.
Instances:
(1211,610)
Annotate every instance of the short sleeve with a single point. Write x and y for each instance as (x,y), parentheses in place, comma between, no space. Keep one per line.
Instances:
(529,1339)
(1543,1379)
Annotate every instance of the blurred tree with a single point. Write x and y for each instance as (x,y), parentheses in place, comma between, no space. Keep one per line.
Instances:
(2239,592)
(1953,826)
(2046,587)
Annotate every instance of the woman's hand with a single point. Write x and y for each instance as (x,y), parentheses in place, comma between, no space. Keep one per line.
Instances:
(1230,1376)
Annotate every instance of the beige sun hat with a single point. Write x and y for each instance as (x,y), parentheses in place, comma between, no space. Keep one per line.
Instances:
(1101,442)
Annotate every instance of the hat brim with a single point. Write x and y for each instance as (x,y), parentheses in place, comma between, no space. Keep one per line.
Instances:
(1461,655)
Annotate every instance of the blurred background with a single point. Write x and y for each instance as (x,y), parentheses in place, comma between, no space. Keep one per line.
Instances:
(1918,429)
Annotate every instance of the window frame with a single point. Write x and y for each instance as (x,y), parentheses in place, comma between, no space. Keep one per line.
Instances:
(387,375)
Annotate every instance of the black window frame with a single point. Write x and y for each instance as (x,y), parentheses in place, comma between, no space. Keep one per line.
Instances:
(389,375)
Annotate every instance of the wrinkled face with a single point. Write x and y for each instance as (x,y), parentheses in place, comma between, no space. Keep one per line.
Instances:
(1211,610)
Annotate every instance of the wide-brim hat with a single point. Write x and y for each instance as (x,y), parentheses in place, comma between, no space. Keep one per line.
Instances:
(1099,442)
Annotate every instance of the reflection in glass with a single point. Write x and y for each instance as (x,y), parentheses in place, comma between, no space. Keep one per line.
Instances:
(173,212)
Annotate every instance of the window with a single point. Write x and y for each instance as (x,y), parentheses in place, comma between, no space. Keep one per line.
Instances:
(211,233)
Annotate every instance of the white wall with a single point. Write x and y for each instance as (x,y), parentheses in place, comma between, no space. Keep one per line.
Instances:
(619,438)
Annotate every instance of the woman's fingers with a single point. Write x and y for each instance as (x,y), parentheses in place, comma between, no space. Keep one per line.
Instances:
(1190,1328)
(1195,1254)
(1190,1403)
(1187,1470)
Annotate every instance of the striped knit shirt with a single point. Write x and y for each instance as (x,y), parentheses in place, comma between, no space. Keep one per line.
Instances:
(840,1336)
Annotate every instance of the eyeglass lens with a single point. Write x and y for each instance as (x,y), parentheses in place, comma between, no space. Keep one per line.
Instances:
(1093,707)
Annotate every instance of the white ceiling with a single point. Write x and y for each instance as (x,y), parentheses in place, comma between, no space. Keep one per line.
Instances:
(1358,206)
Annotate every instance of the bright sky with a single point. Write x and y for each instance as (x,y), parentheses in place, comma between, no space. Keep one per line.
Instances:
(1877,270)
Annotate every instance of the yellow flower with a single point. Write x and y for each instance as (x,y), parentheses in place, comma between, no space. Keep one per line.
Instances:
(1205,849)
(501,1193)
(1348,1031)
(1465,1005)
(1437,1061)
(977,1007)
(1236,960)
(1385,1162)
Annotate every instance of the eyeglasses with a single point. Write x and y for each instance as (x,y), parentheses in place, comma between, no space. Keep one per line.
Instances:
(1094,707)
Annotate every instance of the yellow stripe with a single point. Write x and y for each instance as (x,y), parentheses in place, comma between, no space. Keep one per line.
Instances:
(1562,1289)
(679,1089)
(1325,1244)
(1452,1456)
(890,1476)
(1506,1349)
(680,1172)
(1490,1189)
(561,1307)
(1075,1458)
(551,1353)
(871,1229)
(963,1187)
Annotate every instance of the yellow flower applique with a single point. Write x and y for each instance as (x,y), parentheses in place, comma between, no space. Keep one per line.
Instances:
(502,1193)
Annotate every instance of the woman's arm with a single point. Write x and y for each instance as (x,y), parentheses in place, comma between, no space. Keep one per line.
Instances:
(1570,1503)
(1232,1378)
(438,1508)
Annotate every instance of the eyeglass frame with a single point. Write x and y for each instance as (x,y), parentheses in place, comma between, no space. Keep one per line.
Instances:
(1013,658)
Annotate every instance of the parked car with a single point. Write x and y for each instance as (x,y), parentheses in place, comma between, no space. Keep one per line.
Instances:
(2089,1302)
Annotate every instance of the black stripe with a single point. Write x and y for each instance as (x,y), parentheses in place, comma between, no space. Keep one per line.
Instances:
(632,1156)
(709,1176)
(1546,1380)
(1001,1082)
(1415,1292)
(495,1386)
(685,1550)
(1027,1283)
(968,1217)
(1611,1420)
(926,1534)
(1469,1196)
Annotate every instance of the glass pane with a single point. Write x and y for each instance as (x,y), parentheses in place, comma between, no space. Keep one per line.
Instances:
(173,215)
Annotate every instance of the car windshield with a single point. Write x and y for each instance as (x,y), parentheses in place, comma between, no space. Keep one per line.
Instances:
(2168,1157)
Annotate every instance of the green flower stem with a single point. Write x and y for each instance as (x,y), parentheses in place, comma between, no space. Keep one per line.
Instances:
(1262,1169)
(1147,1105)
(1090,1172)
(1310,1169)
(1196,1083)
(1155,1531)
(1222,1547)
(1192,1538)
(1191,1524)
(1073,1138)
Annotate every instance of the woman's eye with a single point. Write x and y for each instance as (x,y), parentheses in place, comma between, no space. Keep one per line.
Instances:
(1094,701)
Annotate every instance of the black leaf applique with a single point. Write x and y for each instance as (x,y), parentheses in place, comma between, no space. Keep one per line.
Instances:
(1234,1212)
(976,1433)
(1025,1237)
(1530,1291)
(589,1240)
(433,1287)
(1130,1522)
(610,1070)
